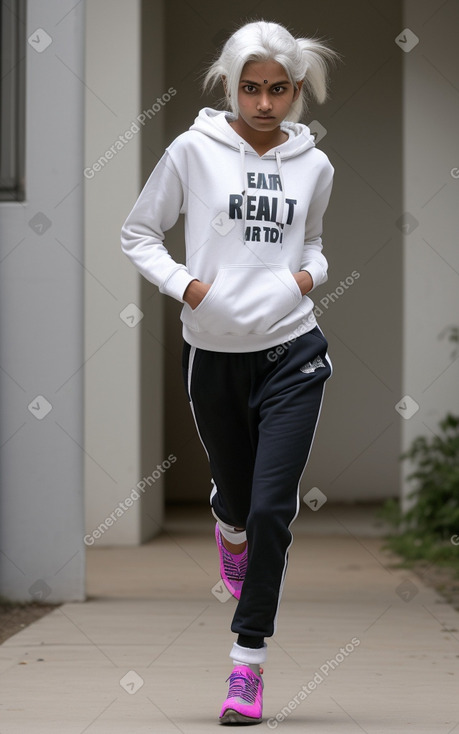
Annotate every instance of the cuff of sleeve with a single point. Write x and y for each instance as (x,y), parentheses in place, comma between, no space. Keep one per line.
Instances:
(177,284)
(316,272)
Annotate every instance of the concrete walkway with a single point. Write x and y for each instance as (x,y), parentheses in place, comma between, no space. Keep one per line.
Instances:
(360,647)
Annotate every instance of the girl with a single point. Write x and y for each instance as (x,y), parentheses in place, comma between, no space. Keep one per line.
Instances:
(253,188)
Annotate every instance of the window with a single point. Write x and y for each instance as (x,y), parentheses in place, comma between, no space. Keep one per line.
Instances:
(12,99)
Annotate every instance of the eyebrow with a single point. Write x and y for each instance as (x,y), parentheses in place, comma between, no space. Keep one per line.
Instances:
(257,84)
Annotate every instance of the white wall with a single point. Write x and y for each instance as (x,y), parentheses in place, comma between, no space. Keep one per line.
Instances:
(431,191)
(41,324)
(120,418)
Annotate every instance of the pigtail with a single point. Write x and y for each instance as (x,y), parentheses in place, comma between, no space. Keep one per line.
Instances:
(316,58)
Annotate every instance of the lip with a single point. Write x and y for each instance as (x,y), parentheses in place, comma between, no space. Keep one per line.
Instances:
(264,117)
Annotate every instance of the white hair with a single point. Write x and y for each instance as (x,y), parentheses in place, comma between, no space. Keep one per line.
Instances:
(304,59)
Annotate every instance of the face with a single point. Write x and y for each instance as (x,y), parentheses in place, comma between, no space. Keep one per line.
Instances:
(265,95)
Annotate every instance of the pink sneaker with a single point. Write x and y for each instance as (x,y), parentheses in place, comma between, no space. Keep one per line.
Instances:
(244,704)
(232,567)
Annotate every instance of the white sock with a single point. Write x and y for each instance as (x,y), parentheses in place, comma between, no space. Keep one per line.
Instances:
(229,532)
(248,655)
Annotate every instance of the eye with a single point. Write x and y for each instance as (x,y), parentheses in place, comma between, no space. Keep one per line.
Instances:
(249,88)
(279,90)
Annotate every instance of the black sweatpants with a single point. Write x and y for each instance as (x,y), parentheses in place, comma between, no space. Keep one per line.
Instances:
(256,413)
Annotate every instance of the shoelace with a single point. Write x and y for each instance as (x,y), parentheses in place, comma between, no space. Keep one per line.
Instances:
(243,686)
(234,571)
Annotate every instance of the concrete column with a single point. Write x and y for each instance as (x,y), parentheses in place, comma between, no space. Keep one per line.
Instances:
(42,554)
(431,219)
(125,462)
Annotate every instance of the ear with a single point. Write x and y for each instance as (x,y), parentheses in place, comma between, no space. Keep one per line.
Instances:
(225,85)
(297,91)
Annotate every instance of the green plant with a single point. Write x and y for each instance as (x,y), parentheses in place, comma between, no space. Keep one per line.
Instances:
(436,497)
(429,529)
(426,529)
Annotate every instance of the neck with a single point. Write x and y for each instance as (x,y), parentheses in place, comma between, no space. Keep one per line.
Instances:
(260,140)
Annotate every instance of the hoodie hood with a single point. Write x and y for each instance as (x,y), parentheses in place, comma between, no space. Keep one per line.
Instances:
(216,125)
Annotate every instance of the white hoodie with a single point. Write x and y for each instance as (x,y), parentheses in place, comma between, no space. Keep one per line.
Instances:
(250,222)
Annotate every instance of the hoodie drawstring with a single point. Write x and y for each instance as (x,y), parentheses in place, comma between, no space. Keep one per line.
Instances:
(282,215)
(244,190)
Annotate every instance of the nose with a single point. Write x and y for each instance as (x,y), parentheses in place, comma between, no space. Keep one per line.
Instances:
(264,102)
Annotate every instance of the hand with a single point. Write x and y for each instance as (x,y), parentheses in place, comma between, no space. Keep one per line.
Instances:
(304,280)
(195,292)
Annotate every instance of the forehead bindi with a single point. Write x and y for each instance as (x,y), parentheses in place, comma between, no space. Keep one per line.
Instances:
(264,72)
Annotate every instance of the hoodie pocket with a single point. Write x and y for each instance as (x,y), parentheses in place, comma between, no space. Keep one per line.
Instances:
(245,299)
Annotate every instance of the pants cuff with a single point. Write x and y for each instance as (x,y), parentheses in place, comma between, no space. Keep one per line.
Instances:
(229,532)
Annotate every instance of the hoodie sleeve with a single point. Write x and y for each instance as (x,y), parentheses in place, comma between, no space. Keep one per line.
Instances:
(155,211)
(313,260)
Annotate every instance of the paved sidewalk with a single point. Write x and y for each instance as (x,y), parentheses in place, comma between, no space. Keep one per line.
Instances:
(360,647)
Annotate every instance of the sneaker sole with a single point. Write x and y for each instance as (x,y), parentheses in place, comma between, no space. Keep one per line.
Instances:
(234,717)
